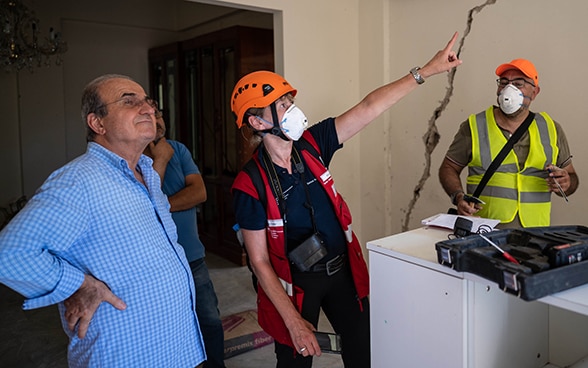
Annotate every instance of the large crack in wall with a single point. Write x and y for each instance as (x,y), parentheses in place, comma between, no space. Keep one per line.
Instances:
(432,136)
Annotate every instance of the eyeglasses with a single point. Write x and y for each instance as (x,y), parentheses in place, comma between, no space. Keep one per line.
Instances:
(517,82)
(133,101)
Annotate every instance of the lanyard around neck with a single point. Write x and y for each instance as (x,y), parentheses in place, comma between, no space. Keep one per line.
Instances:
(277,187)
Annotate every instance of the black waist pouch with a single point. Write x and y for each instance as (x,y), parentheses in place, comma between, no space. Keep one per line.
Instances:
(308,253)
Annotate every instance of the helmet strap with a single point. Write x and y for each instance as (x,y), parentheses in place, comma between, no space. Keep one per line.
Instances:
(276,130)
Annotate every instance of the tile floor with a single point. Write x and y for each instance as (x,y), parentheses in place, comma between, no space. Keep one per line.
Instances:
(34,339)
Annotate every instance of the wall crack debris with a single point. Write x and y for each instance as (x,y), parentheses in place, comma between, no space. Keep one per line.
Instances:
(431,136)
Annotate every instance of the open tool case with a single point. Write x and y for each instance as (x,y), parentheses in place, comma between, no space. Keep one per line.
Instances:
(551,259)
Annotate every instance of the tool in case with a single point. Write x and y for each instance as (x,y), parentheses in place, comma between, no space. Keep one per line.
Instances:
(548,259)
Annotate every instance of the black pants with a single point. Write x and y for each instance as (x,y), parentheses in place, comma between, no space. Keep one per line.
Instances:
(337,296)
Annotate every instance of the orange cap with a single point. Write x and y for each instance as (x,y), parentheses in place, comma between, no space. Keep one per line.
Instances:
(524,66)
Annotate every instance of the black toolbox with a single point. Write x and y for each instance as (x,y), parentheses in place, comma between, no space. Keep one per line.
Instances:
(551,259)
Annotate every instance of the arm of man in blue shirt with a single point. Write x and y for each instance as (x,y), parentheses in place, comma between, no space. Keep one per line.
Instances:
(194,191)
(192,195)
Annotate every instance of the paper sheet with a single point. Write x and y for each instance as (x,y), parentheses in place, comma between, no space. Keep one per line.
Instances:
(447,221)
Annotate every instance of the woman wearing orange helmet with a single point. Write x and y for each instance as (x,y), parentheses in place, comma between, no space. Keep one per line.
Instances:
(295,226)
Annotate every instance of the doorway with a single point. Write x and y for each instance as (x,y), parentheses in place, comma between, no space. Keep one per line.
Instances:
(192,81)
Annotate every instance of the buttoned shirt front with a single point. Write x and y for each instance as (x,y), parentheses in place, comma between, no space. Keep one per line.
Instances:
(92,216)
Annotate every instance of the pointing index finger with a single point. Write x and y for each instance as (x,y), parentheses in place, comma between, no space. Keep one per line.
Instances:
(451,42)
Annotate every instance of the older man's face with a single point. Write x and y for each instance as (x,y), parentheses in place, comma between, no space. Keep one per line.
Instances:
(130,119)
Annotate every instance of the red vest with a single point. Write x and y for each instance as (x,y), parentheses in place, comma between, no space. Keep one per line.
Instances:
(268,317)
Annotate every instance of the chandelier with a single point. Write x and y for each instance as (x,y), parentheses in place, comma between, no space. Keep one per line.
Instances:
(20,43)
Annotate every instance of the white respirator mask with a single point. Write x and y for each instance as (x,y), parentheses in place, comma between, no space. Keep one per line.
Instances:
(293,123)
(510,99)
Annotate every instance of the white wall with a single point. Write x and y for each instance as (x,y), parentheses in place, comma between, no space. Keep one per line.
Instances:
(334,52)
(549,33)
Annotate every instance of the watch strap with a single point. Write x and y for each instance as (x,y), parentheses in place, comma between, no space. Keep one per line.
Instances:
(454,195)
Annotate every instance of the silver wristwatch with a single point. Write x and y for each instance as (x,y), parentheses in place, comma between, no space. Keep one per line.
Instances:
(417,76)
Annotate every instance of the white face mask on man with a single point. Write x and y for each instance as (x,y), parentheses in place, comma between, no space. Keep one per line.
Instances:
(510,99)
(293,123)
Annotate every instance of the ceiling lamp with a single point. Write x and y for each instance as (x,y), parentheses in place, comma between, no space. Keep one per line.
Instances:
(21,46)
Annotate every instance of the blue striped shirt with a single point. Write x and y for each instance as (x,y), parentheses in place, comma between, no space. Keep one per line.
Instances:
(93,217)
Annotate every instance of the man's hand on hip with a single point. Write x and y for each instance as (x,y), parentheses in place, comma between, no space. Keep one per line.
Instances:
(81,305)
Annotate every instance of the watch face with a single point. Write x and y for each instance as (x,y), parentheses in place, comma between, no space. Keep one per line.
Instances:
(417,76)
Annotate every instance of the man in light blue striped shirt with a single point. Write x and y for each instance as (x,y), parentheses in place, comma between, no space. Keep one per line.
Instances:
(98,239)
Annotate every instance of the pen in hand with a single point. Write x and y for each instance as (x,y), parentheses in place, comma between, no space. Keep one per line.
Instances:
(561,191)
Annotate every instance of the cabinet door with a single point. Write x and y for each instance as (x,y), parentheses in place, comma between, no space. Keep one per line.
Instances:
(213,64)
(192,82)
(165,85)
(210,72)
(417,315)
(505,331)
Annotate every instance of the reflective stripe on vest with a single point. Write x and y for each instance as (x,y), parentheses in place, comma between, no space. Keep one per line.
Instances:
(288,287)
(512,189)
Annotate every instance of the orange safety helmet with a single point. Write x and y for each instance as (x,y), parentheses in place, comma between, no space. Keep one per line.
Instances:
(258,89)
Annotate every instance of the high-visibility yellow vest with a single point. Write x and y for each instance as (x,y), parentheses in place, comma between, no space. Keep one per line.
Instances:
(513,189)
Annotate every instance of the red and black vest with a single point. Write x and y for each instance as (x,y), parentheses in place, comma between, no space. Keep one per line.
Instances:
(268,317)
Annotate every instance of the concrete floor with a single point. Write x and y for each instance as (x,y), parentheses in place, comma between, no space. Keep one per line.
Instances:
(34,339)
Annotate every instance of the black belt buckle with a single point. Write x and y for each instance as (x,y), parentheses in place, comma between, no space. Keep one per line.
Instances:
(334,265)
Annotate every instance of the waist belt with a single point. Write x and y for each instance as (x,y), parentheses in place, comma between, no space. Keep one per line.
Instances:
(331,267)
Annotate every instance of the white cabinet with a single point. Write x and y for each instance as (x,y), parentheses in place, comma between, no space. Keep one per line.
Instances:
(426,315)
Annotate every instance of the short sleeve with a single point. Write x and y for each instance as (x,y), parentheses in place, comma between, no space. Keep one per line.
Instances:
(460,150)
(249,212)
(325,135)
(562,143)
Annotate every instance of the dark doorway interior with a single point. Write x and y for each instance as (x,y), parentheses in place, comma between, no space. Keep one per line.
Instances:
(193,81)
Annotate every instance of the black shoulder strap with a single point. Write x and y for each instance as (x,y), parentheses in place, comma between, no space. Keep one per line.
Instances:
(306,145)
(252,170)
(503,152)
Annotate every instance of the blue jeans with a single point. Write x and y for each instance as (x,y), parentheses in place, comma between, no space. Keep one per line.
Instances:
(208,315)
